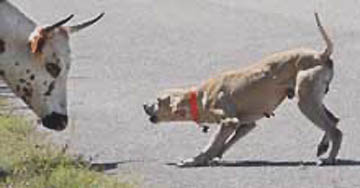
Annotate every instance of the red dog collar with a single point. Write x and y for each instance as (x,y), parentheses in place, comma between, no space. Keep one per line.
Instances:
(194,109)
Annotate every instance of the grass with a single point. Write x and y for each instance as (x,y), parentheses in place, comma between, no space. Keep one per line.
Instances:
(26,161)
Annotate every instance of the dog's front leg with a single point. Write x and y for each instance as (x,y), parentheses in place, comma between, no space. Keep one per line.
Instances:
(215,146)
(310,89)
(241,131)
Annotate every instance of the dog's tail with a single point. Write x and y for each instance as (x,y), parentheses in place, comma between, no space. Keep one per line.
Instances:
(329,45)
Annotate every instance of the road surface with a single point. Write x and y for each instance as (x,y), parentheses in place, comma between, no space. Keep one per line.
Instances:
(143,46)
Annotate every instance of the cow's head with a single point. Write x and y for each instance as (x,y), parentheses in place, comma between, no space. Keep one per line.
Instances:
(41,82)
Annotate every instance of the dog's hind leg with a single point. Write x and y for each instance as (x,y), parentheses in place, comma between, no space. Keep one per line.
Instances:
(310,88)
(241,131)
(317,115)
(324,143)
(323,146)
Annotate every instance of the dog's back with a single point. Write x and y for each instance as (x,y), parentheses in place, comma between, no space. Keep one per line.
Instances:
(258,89)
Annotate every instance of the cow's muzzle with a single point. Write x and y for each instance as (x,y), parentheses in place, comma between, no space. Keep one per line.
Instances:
(55,121)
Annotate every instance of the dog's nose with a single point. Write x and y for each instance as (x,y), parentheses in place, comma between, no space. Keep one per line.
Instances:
(55,121)
(147,109)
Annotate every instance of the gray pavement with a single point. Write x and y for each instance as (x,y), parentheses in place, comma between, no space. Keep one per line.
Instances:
(143,46)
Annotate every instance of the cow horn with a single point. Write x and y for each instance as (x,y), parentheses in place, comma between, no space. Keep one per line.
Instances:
(58,24)
(76,28)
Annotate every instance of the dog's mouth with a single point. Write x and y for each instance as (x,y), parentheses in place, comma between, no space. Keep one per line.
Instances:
(153,119)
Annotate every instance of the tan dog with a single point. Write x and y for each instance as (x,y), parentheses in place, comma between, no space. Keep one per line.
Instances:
(237,99)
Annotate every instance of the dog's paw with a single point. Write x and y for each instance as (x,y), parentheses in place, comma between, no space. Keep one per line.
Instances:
(201,160)
(197,163)
(322,148)
(215,161)
(192,162)
(326,162)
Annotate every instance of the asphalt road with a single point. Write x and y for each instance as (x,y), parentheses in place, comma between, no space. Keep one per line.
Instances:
(143,46)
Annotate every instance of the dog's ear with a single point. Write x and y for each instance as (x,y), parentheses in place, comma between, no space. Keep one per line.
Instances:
(165,100)
(37,42)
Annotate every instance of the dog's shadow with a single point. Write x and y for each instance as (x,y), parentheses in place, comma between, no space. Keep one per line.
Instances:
(249,163)
(226,163)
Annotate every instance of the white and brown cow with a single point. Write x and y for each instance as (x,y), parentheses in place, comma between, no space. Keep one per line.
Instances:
(35,61)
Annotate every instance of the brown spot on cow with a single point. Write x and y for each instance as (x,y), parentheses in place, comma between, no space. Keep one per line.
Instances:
(53,69)
(27,92)
(24,99)
(50,89)
(21,80)
(32,77)
(2,73)
(2,46)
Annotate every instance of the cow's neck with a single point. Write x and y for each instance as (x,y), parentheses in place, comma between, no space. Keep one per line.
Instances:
(15,27)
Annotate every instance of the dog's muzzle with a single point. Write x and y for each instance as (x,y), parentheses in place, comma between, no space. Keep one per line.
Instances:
(55,121)
(149,110)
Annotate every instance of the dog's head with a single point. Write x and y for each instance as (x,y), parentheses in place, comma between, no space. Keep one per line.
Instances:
(171,106)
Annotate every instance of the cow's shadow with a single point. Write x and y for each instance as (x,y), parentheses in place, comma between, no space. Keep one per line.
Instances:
(105,166)
(3,173)
(263,163)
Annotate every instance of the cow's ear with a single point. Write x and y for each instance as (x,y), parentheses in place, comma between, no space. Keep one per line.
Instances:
(37,42)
